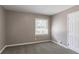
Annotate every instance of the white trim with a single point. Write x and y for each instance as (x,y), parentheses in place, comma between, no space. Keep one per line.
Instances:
(60,44)
(64,46)
(27,43)
(74,50)
(33,43)
(2,49)
(22,44)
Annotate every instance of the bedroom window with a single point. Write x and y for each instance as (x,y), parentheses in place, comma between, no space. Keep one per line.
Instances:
(41,26)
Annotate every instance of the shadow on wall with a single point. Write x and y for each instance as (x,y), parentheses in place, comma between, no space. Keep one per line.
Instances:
(58,30)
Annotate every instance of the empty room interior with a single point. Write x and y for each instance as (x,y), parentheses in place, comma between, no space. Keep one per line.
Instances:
(39,29)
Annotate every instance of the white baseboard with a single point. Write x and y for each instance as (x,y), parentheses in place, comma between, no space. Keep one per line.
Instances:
(3,49)
(22,44)
(60,44)
(27,43)
(64,46)
(33,43)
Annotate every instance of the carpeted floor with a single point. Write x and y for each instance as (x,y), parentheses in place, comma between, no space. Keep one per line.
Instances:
(40,48)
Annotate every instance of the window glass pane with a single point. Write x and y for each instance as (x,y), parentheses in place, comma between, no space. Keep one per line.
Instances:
(41,26)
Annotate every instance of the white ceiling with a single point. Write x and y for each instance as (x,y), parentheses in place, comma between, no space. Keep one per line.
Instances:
(40,9)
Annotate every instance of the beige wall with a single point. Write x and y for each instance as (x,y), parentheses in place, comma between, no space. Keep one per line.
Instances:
(20,27)
(59,25)
(2,28)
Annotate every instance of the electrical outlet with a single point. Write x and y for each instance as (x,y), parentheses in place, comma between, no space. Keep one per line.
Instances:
(68,44)
(61,42)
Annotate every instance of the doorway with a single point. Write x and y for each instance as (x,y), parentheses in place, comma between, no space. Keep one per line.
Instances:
(73,31)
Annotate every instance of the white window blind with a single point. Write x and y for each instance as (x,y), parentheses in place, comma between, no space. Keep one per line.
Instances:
(41,26)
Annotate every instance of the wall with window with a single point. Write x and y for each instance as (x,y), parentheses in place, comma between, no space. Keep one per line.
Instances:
(20,27)
(42,29)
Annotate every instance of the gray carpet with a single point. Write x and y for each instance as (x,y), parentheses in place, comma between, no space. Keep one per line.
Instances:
(40,48)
